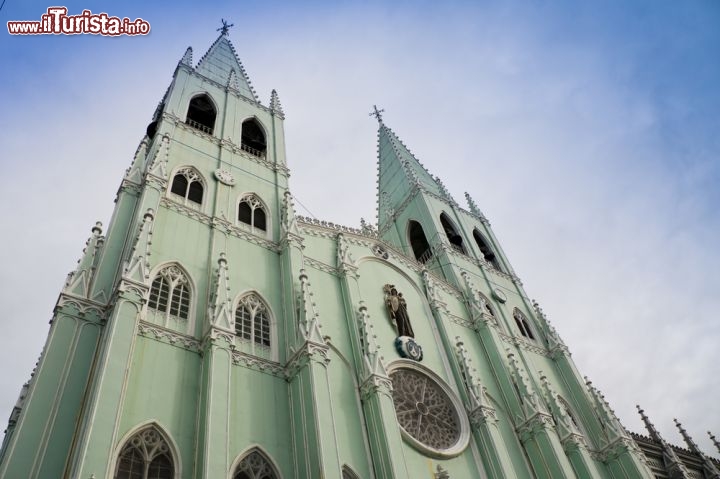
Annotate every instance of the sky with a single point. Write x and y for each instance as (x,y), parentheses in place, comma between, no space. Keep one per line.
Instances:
(587,133)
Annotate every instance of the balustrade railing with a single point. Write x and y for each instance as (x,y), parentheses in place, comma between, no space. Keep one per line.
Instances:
(458,248)
(252,151)
(426,256)
(199,126)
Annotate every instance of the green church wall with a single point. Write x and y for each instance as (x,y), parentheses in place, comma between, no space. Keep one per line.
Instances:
(166,395)
(69,397)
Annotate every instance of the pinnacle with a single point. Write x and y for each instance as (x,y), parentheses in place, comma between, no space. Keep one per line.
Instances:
(688,440)
(187,57)
(275,104)
(648,425)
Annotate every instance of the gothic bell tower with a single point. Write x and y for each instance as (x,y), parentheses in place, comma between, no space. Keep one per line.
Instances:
(138,366)
(558,416)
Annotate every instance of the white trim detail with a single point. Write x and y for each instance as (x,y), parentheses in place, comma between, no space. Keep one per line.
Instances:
(255,202)
(192,175)
(271,352)
(148,315)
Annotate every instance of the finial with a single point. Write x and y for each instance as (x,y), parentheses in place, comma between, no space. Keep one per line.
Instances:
(648,425)
(225,27)
(688,440)
(714,440)
(377,113)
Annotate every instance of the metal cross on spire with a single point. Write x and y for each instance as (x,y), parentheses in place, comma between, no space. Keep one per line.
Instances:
(225,27)
(377,113)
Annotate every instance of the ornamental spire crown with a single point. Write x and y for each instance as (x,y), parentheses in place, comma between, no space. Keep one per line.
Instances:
(220,61)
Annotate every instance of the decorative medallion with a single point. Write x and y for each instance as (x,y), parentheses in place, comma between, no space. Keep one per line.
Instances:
(499,295)
(405,343)
(380,251)
(406,347)
(224,177)
(430,416)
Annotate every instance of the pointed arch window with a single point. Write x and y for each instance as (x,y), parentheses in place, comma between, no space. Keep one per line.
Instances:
(488,308)
(252,321)
(170,295)
(485,250)
(201,114)
(252,138)
(523,324)
(347,473)
(255,465)
(418,242)
(568,410)
(188,186)
(453,237)
(252,212)
(146,455)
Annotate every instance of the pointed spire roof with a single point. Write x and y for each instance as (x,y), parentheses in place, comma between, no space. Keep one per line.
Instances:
(398,171)
(218,63)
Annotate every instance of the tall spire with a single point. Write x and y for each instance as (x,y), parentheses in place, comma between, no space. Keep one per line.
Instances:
(711,472)
(220,60)
(672,462)
(399,171)
(649,426)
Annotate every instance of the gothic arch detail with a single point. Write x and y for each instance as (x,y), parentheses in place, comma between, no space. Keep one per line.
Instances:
(188,186)
(255,464)
(488,306)
(254,325)
(571,414)
(348,473)
(456,241)
(201,113)
(147,454)
(418,242)
(170,298)
(487,252)
(523,324)
(252,138)
(253,213)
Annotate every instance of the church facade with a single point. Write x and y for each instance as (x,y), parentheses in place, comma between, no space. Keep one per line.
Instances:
(211,332)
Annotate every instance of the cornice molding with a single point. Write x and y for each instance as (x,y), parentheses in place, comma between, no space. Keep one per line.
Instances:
(167,336)
(259,364)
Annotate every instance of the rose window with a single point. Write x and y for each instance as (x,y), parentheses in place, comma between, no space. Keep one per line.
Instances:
(425,411)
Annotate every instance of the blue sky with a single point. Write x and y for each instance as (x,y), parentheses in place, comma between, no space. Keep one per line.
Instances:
(587,133)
